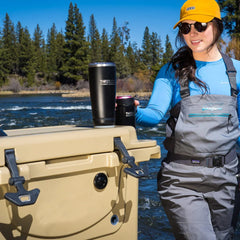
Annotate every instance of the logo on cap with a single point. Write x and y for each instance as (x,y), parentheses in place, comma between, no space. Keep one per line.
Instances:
(190,8)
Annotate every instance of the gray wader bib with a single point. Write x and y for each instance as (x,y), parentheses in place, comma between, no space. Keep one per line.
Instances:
(197,180)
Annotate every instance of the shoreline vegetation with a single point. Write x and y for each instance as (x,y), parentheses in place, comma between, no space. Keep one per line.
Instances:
(63,57)
(71,93)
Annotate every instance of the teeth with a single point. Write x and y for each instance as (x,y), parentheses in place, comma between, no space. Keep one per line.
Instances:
(196,41)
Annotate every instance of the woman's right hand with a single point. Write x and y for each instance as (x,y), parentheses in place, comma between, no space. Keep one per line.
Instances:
(136,103)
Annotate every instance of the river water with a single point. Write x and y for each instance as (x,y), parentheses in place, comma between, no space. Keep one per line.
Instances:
(50,110)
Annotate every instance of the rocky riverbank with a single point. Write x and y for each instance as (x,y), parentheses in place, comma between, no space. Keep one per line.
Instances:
(72,93)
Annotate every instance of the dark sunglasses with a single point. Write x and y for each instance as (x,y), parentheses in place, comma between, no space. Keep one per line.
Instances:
(185,28)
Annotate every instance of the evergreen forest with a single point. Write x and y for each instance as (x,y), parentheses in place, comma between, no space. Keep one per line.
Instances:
(60,59)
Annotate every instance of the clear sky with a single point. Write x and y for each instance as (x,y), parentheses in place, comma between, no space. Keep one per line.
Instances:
(159,15)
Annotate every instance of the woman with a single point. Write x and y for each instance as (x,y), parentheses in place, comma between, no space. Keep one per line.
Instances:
(197,180)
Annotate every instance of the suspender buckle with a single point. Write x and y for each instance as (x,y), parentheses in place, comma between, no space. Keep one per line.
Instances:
(234,92)
(217,161)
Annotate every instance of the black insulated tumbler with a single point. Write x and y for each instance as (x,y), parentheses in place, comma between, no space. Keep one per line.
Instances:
(125,111)
(102,83)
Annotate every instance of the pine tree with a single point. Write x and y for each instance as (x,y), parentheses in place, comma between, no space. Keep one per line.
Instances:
(117,50)
(156,49)
(51,50)
(19,33)
(68,47)
(75,67)
(24,50)
(231,19)
(146,49)
(60,42)
(3,70)
(152,52)
(95,41)
(55,52)
(156,54)
(40,62)
(115,41)
(231,9)
(125,34)
(105,46)
(9,50)
(82,53)
(133,57)
(168,51)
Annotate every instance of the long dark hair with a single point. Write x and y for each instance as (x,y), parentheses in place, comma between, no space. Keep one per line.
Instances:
(183,62)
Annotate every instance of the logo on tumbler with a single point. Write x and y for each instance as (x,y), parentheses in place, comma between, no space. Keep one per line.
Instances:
(130,114)
(107,82)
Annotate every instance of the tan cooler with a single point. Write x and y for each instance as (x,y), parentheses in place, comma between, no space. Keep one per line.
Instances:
(69,182)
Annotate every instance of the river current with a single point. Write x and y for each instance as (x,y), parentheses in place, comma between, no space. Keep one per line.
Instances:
(50,110)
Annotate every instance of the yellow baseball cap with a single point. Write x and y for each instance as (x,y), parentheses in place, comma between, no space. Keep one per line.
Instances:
(199,10)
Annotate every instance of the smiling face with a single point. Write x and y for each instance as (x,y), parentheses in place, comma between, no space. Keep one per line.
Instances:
(201,42)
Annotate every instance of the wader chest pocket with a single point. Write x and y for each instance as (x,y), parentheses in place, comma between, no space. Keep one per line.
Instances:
(206,125)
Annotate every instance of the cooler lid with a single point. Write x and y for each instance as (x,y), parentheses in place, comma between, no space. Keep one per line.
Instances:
(37,144)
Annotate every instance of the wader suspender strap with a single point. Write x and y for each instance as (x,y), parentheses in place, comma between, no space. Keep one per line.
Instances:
(184,90)
(231,72)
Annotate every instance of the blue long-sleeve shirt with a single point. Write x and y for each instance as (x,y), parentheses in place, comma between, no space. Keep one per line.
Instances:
(166,90)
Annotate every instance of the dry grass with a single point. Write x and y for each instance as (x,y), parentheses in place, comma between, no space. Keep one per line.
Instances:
(72,93)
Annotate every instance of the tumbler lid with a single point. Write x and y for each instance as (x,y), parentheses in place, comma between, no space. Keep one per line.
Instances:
(102,64)
(125,100)
(123,97)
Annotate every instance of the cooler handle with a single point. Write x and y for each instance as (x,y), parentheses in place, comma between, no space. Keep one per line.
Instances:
(134,170)
(22,197)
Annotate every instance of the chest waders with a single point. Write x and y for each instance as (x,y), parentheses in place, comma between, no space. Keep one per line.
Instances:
(197,180)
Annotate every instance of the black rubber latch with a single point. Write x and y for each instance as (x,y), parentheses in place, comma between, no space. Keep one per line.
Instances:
(22,197)
(134,170)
